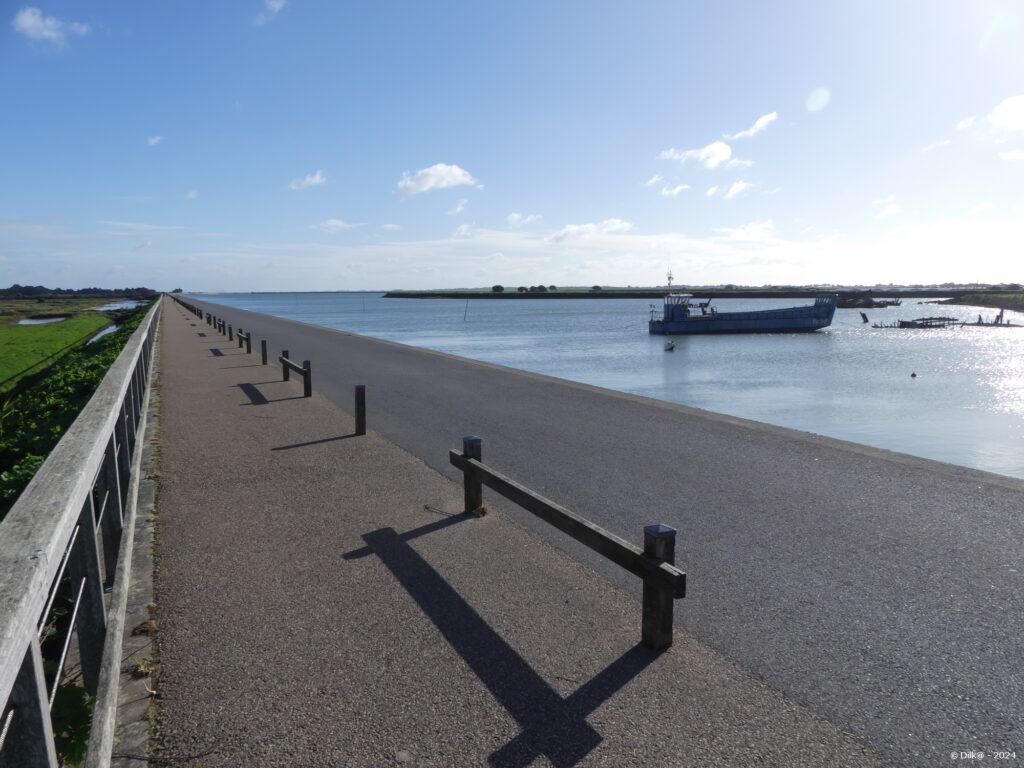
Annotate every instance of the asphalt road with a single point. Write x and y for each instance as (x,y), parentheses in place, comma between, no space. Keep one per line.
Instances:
(881,591)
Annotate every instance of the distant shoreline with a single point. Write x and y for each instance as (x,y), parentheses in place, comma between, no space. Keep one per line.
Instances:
(659,293)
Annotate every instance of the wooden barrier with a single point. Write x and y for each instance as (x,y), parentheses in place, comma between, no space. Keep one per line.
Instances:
(655,563)
(305,369)
(247,338)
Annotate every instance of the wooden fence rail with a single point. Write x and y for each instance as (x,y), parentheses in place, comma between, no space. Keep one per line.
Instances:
(305,369)
(70,533)
(663,582)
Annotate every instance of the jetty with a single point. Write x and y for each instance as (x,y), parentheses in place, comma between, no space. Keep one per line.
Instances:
(328,593)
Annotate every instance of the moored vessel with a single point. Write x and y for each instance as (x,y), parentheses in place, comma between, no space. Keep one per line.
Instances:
(682,316)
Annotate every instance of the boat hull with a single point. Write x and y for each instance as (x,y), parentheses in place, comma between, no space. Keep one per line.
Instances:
(790,320)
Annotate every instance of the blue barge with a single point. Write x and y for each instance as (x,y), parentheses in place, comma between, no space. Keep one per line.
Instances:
(680,316)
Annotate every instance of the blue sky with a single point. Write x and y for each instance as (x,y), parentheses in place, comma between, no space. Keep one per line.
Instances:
(299,145)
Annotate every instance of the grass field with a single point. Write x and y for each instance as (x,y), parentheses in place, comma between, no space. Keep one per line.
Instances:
(1013,301)
(25,348)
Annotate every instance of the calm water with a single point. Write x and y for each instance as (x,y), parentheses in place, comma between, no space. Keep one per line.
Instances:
(850,381)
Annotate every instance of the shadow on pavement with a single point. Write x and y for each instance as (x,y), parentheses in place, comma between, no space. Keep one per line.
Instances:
(551,726)
(314,442)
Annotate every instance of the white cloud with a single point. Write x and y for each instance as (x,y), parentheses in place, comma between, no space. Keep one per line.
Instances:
(887,206)
(463,230)
(270,10)
(154,140)
(1008,114)
(142,245)
(966,123)
(459,207)
(936,145)
(332,226)
(1014,155)
(736,188)
(712,156)
(310,180)
(516,219)
(655,179)
(608,226)
(191,194)
(818,99)
(31,23)
(390,227)
(759,125)
(439,176)
(674,191)
(754,232)
(739,163)
(712,191)
(982,208)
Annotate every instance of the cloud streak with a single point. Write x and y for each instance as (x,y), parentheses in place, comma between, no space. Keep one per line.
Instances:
(759,125)
(31,23)
(319,178)
(711,156)
(438,176)
(270,9)
(608,226)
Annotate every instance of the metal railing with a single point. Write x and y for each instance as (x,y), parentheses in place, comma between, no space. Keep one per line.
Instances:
(70,533)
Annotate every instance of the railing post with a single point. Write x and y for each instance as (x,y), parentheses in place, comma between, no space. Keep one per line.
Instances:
(248,343)
(240,332)
(472,487)
(91,624)
(285,373)
(231,335)
(30,742)
(360,409)
(263,350)
(307,379)
(656,629)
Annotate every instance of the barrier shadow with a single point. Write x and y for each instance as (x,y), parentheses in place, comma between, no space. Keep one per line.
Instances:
(229,367)
(255,396)
(551,726)
(314,442)
(216,353)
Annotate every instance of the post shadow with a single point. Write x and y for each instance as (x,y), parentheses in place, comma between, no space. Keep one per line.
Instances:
(314,442)
(255,396)
(216,352)
(551,726)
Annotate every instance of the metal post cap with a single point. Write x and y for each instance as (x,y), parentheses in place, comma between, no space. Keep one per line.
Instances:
(659,530)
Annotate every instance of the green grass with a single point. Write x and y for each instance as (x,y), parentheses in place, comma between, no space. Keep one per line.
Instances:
(13,310)
(1014,301)
(26,348)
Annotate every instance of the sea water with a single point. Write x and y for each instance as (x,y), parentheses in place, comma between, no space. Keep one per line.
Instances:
(850,381)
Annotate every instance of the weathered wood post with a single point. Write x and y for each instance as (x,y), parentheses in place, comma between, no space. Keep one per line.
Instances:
(656,629)
(284,366)
(473,489)
(241,332)
(208,320)
(231,335)
(248,343)
(307,379)
(263,350)
(360,409)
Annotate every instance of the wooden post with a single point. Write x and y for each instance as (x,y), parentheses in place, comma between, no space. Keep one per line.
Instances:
(284,366)
(360,409)
(240,333)
(656,629)
(231,335)
(473,489)
(30,743)
(263,350)
(307,379)
(248,343)
(92,615)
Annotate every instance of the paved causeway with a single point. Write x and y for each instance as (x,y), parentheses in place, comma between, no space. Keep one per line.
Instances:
(873,592)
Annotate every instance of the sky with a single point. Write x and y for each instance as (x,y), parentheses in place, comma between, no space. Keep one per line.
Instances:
(301,145)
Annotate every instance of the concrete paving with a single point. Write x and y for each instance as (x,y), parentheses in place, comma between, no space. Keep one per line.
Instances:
(883,592)
(321,601)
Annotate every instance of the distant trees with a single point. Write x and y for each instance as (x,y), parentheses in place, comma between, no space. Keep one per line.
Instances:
(521,289)
(552,287)
(497,289)
(177,290)
(538,289)
(595,287)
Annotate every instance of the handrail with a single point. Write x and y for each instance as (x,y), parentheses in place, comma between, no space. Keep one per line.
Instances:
(288,365)
(94,458)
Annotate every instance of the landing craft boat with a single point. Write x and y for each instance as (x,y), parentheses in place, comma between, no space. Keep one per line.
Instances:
(680,316)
